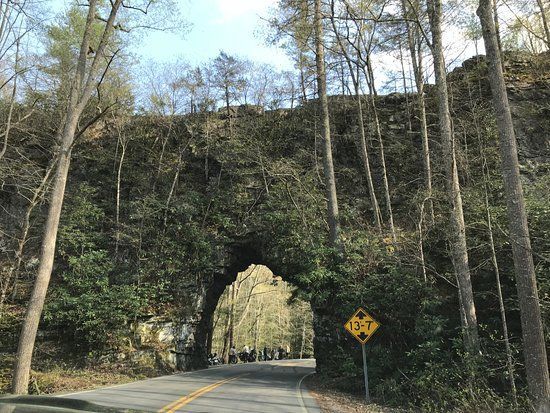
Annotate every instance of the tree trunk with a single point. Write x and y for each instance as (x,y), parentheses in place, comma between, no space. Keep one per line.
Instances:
(302,78)
(172,189)
(83,84)
(509,362)
(123,143)
(231,331)
(369,76)
(497,26)
(534,350)
(405,88)
(34,310)
(328,166)
(228,107)
(161,156)
(366,163)
(303,342)
(383,163)
(421,241)
(210,336)
(544,21)
(494,260)
(37,195)
(414,43)
(362,139)
(226,344)
(457,240)
(258,324)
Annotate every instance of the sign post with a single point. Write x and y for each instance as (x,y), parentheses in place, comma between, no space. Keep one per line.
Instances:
(362,326)
(367,395)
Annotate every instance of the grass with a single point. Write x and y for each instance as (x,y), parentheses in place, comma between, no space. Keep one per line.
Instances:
(54,372)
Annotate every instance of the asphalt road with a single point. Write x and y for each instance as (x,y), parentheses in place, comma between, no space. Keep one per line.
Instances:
(265,387)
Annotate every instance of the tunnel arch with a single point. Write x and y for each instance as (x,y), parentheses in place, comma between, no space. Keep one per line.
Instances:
(193,329)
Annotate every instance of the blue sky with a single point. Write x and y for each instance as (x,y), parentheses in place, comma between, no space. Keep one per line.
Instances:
(234,26)
(230,25)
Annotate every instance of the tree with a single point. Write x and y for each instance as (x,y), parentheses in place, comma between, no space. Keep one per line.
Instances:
(366,39)
(295,22)
(228,77)
(328,166)
(174,88)
(458,229)
(534,349)
(353,67)
(415,42)
(85,80)
(17,20)
(266,314)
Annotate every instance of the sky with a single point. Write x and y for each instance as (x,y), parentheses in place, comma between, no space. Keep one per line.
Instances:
(234,26)
(231,25)
(237,27)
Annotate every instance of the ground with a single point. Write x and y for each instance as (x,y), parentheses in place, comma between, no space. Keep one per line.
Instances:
(335,401)
(50,375)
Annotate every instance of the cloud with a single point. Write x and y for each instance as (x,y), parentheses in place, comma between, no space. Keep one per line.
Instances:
(229,10)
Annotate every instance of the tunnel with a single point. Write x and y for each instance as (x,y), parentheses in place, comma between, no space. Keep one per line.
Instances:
(194,331)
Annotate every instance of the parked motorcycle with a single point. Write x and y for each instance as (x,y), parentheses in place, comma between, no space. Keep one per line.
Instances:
(214,360)
(247,357)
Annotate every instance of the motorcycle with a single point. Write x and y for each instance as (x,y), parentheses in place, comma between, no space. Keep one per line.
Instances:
(247,357)
(214,360)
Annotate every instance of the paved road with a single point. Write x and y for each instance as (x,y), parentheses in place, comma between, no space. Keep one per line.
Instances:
(269,387)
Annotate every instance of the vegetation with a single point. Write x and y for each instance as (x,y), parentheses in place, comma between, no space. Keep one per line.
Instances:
(181,205)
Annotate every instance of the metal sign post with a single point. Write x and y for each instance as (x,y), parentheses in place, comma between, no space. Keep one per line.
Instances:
(362,326)
(367,395)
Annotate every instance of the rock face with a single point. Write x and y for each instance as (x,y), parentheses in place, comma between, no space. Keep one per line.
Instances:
(529,99)
(183,339)
(191,332)
(154,330)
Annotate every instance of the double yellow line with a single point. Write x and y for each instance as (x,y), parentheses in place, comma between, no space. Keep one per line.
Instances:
(178,404)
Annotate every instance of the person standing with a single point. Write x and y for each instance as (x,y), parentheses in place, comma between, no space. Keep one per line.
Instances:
(232,355)
(265,353)
(246,353)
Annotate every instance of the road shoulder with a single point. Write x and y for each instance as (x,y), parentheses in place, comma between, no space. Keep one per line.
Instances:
(335,401)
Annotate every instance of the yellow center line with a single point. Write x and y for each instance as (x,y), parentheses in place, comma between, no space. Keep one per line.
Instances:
(175,405)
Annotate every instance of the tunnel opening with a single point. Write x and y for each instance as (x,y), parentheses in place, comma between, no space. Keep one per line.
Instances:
(262,314)
(197,332)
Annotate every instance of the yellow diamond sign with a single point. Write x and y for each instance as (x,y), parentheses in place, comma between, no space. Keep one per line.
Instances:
(361,325)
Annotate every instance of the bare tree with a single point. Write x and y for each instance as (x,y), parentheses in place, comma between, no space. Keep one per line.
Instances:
(122,142)
(11,280)
(328,166)
(17,20)
(414,42)
(353,67)
(534,349)
(544,20)
(364,54)
(459,248)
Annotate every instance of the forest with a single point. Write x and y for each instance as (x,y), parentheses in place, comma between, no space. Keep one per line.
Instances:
(232,202)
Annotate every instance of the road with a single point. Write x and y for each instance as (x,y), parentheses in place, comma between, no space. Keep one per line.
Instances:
(265,387)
